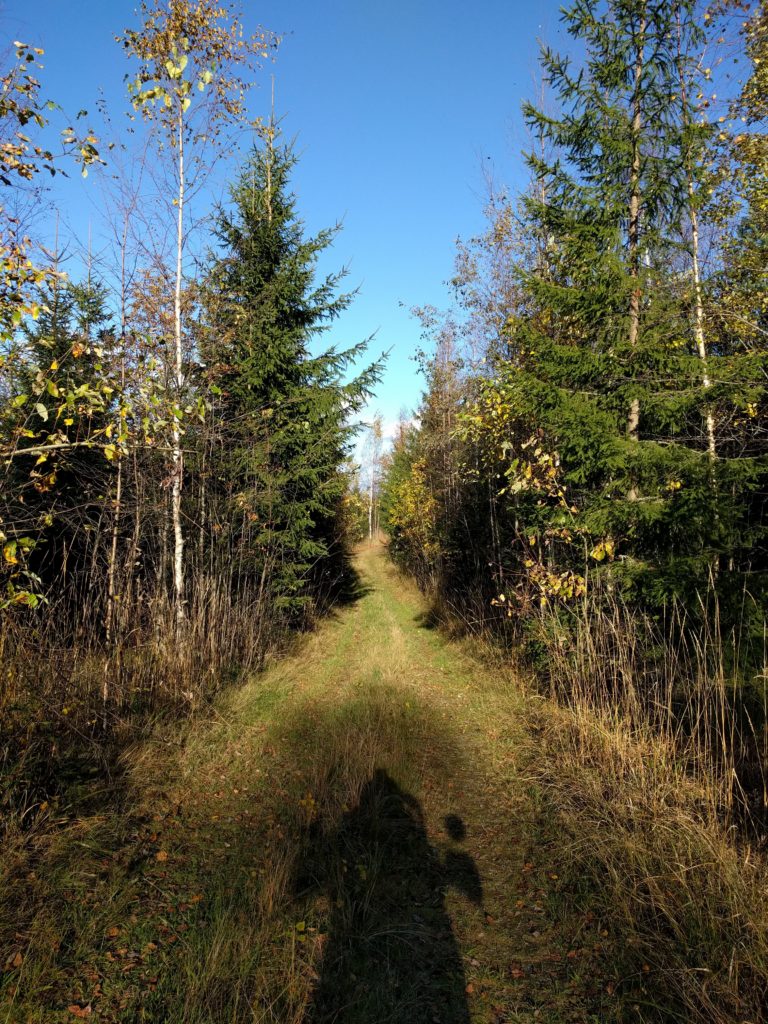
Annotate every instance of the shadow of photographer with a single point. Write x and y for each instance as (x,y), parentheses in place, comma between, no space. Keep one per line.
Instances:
(389,950)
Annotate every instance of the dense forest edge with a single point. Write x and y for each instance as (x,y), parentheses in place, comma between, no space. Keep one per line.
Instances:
(189,521)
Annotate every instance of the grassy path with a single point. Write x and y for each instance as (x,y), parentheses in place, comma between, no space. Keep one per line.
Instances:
(349,837)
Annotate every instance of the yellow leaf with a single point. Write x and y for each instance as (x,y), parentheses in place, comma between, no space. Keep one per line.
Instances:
(598,552)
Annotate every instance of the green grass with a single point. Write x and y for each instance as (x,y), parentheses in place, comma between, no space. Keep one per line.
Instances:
(353,836)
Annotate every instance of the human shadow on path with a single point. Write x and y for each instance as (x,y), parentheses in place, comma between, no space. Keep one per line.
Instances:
(390,954)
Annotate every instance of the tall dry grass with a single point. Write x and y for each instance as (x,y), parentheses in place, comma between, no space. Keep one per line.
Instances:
(653,759)
(649,749)
(678,681)
(69,702)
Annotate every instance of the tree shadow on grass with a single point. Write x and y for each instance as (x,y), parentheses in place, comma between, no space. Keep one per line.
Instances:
(429,619)
(389,954)
(340,585)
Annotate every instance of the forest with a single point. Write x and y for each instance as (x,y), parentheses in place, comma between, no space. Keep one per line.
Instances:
(303,722)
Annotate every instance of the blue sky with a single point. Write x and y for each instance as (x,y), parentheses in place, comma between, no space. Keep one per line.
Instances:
(398,108)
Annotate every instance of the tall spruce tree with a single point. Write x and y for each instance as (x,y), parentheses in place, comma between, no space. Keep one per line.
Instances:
(611,366)
(283,408)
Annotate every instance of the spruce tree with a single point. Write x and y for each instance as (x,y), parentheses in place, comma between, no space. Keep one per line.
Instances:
(611,363)
(284,408)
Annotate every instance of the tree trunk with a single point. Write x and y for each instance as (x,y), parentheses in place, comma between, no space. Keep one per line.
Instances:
(370,508)
(633,234)
(633,419)
(111,572)
(698,304)
(118,504)
(698,327)
(177,455)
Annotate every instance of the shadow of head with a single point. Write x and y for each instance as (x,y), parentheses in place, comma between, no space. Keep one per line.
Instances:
(455,827)
(381,791)
(460,869)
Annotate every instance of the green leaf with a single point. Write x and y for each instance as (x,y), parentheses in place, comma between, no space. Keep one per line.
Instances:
(41,411)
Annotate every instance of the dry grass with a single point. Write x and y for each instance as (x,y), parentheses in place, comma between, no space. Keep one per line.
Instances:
(70,705)
(681,681)
(649,759)
(654,768)
(688,901)
(282,858)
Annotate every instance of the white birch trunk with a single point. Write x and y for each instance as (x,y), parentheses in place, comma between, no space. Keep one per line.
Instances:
(177,455)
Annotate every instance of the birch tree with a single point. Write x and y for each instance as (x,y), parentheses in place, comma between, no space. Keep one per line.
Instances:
(196,66)
(373,452)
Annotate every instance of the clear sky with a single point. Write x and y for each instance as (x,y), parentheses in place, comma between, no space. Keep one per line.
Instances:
(398,109)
